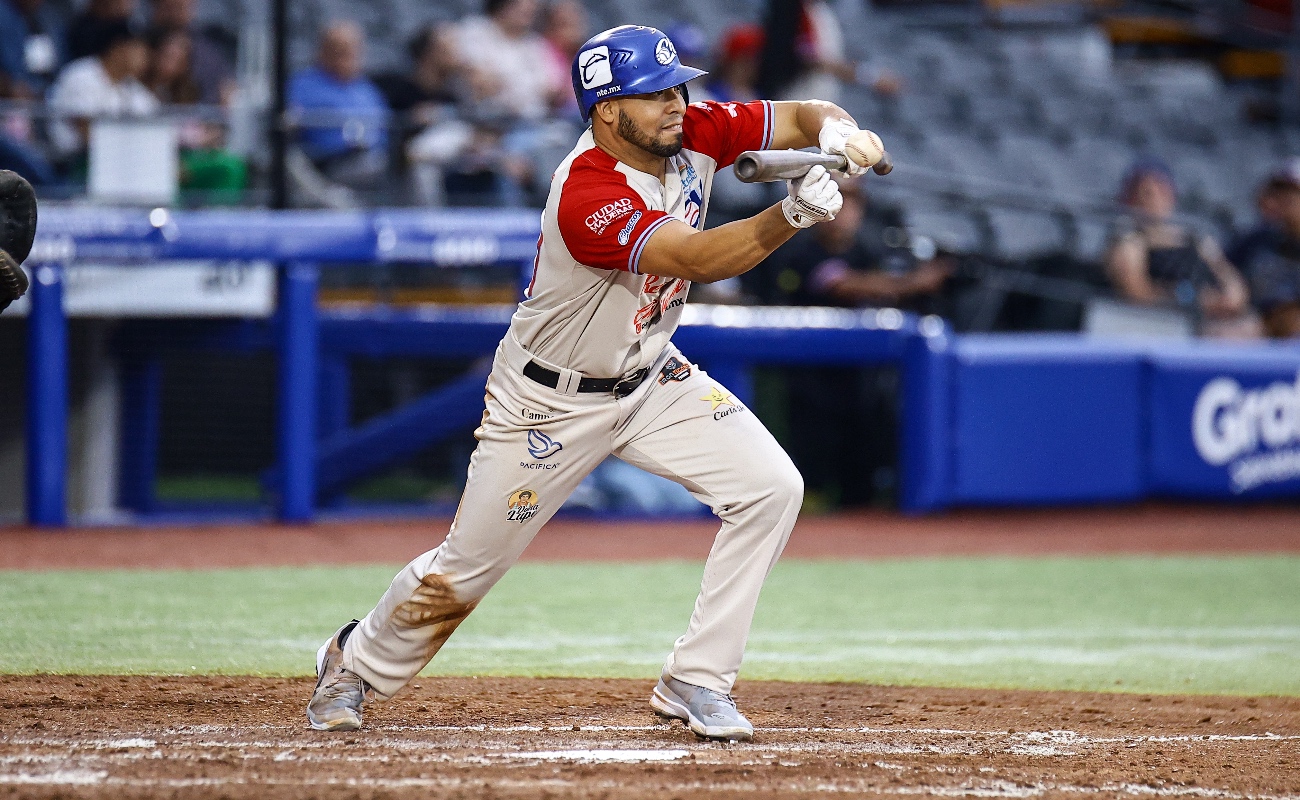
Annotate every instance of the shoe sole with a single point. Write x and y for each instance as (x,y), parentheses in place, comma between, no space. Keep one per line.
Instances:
(670,708)
(337,725)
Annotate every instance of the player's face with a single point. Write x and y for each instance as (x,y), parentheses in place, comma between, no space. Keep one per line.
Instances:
(653,122)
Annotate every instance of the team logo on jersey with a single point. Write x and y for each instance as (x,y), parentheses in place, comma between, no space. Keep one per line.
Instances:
(674,369)
(626,233)
(601,219)
(671,295)
(665,52)
(523,506)
(694,205)
(541,446)
(593,67)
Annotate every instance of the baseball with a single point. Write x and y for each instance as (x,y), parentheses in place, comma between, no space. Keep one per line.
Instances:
(864,148)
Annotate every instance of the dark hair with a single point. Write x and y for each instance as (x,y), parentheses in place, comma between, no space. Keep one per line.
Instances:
(491,7)
(418,45)
(110,33)
(1144,167)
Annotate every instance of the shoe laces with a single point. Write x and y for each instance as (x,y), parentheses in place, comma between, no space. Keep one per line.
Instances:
(345,684)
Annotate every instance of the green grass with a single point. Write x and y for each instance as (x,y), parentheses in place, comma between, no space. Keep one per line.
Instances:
(1229,625)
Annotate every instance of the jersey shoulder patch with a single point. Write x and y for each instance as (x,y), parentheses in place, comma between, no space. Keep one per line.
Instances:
(604,222)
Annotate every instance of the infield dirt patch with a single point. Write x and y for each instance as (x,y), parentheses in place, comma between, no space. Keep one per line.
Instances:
(217,737)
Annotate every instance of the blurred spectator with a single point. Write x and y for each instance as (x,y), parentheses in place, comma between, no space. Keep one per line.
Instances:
(564,29)
(87,29)
(520,80)
(204,165)
(169,76)
(841,419)
(1270,255)
(209,69)
(855,260)
(106,84)
(735,79)
(804,55)
(31,39)
(436,136)
(1156,261)
(436,82)
(691,44)
(344,131)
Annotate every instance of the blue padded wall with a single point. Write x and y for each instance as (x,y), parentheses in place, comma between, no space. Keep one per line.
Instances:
(1040,419)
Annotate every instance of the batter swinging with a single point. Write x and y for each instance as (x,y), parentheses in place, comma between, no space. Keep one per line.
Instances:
(588,369)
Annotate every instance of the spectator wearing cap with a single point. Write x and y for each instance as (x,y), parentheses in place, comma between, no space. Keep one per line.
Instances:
(1270,255)
(31,44)
(1153,260)
(106,84)
(344,117)
(735,79)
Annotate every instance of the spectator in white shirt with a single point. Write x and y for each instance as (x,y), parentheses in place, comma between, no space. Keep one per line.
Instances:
(106,84)
(503,47)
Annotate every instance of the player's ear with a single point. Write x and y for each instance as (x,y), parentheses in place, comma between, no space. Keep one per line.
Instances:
(607,110)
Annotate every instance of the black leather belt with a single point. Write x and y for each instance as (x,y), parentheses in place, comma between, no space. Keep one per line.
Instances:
(621,387)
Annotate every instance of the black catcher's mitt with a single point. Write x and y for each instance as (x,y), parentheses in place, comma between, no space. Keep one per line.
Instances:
(17,230)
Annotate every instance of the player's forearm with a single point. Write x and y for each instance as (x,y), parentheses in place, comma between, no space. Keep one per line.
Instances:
(798,123)
(718,253)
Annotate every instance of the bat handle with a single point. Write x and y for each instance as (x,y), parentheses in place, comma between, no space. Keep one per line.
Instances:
(884,166)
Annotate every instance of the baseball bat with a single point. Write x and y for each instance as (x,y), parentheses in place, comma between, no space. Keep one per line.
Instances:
(759,166)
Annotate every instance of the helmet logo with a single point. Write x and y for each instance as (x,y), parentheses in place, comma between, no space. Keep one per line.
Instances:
(593,67)
(664,52)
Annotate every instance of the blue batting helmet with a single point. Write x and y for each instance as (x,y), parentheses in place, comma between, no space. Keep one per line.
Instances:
(629,59)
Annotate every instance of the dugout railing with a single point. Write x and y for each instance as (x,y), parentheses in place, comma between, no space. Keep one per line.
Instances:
(1007,419)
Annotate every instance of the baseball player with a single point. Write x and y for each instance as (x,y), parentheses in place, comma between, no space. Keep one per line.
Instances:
(17,231)
(588,368)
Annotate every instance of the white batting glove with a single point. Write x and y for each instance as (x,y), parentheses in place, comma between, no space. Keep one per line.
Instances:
(831,139)
(813,198)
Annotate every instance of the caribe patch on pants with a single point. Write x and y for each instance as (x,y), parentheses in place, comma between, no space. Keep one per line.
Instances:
(523,506)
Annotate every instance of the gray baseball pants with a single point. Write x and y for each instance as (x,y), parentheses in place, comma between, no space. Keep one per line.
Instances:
(679,424)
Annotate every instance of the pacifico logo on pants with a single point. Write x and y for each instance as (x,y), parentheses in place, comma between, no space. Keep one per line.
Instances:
(1231,424)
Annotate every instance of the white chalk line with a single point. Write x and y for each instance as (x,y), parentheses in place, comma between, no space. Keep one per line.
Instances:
(1030,737)
(991,788)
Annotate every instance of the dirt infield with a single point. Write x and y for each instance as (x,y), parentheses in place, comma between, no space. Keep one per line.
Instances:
(110,737)
(1138,529)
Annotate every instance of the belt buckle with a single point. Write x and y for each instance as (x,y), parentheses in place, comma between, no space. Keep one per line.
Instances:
(628,385)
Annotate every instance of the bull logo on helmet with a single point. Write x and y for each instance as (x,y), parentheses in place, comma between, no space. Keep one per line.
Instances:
(665,52)
(593,66)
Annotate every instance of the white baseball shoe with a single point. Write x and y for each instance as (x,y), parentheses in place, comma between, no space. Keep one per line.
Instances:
(709,714)
(335,705)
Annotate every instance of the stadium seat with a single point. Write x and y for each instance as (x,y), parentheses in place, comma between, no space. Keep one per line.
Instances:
(1022,234)
(952,231)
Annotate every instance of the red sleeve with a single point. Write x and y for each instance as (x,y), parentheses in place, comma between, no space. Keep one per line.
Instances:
(603,221)
(723,131)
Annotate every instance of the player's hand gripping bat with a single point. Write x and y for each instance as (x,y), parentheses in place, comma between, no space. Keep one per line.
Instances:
(759,166)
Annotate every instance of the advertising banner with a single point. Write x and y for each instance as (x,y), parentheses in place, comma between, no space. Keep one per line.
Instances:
(1227,425)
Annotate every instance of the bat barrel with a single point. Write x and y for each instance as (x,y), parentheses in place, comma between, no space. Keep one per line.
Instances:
(758,166)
